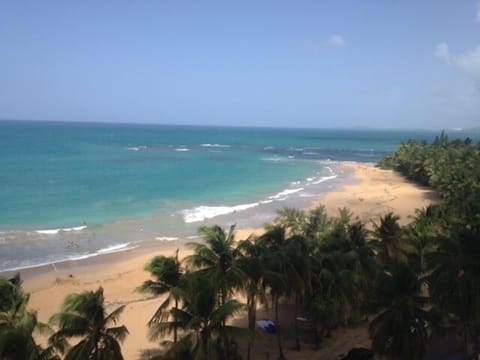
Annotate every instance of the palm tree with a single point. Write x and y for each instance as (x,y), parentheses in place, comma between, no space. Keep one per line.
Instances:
(366,262)
(363,249)
(17,324)
(312,224)
(297,273)
(83,316)
(250,261)
(455,277)
(217,259)
(337,277)
(291,219)
(344,264)
(421,235)
(388,238)
(403,327)
(202,320)
(167,273)
(276,258)
(316,223)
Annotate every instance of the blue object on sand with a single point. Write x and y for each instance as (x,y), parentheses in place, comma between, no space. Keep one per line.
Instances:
(267,325)
(270,329)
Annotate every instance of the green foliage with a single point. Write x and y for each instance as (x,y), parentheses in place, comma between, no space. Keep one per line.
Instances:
(450,167)
(325,309)
(83,316)
(17,325)
(455,277)
(202,320)
(444,239)
(217,259)
(168,276)
(404,324)
(412,278)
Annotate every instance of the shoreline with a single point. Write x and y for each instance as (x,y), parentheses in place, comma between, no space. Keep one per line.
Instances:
(120,273)
(130,238)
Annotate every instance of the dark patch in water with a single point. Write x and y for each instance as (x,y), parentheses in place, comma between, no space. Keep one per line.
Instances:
(141,159)
(309,153)
(220,158)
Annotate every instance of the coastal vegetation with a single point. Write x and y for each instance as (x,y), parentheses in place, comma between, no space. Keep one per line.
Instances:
(410,283)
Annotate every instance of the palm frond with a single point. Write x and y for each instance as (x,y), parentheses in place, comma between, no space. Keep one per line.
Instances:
(114,315)
(119,333)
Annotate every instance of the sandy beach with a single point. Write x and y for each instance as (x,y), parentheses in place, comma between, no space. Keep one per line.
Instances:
(374,193)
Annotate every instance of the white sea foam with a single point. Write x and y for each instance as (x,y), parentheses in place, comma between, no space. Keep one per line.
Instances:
(272,159)
(282,195)
(80,257)
(323,179)
(182,149)
(106,250)
(83,256)
(215,145)
(56,231)
(201,213)
(266,201)
(166,238)
(135,148)
(115,248)
(28,266)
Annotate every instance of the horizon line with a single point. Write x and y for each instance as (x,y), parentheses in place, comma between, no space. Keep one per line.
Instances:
(352,127)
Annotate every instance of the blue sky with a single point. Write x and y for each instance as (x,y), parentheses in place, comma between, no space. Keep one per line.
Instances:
(389,64)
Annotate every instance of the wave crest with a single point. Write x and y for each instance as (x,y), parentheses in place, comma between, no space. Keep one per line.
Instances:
(203,212)
(57,231)
(215,145)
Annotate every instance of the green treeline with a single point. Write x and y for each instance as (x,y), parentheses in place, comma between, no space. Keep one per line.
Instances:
(409,283)
(450,167)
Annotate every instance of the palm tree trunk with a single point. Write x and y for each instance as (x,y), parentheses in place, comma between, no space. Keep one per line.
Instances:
(475,336)
(252,312)
(281,356)
(175,326)
(316,335)
(295,315)
(97,355)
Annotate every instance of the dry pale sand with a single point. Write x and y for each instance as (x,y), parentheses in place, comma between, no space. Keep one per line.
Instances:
(376,192)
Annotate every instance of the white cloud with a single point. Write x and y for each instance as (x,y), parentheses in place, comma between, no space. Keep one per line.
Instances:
(442,52)
(469,61)
(337,41)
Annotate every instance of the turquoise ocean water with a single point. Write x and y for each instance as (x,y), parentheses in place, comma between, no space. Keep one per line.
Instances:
(75,190)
